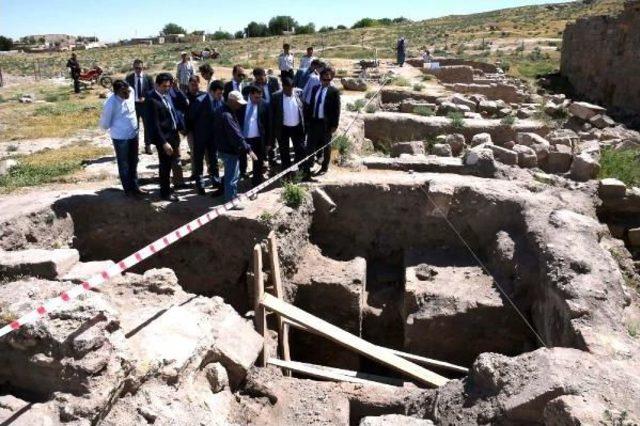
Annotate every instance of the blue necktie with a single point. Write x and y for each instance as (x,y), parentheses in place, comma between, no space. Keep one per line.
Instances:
(247,119)
(319,100)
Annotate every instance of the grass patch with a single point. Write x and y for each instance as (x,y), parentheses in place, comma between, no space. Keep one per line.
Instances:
(49,166)
(293,195)
(423,111)
(356,106)
(509,120)
(533,69)
(633,328)
(418,87)
(427,77)
(623,165)
(457,120)
(400,81)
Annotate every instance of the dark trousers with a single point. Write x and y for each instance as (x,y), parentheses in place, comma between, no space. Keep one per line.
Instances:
(139,113)
(296,135)
(319,135)
(200,149)
(127,159)
(76,84)
(166,163)
(258,165)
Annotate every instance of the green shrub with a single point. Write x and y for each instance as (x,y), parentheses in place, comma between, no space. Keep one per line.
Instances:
(400,81)
(356,106)
(423,111)
(371,108)
(343,144)
(623,165)
(293,195)
(457,120)
(418,87)
(12,148)
(370,95)
(509,120)
(427,77)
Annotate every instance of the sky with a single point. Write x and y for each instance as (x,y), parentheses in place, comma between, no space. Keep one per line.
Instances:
(113,20)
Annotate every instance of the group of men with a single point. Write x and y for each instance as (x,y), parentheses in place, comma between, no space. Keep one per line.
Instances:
(233,121)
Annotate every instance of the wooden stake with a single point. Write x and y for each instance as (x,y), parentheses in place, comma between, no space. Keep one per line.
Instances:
(260,317)
(283,328)
(352,342)
(334,374)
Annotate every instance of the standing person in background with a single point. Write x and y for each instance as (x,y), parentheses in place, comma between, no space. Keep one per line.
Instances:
(254,121)
(193,94)
(185,71)
(206,72)
(302,73)
(141,84)
(119,117)
(231,144)
(287,114)
(286,61)
(313,79)
(236,83)
(163,130)
(401,48)
(203,113)
(324,117)
(74,70)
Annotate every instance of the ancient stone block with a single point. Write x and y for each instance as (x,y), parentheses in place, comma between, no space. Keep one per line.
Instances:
(50,264)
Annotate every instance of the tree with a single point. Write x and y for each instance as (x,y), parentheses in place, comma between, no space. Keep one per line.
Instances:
(365,23)
(222,35)
(325,29)
(341,27)
(239,35)
(172,28)
(401,20)
(5,43)
(280,24)
(255,29)
(310,28)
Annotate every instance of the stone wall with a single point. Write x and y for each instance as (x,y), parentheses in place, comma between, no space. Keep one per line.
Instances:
(601,59)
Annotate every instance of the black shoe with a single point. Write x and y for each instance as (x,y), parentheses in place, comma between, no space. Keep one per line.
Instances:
(172,198)
(322,171)
(181,186)
(200,190)
(140,192)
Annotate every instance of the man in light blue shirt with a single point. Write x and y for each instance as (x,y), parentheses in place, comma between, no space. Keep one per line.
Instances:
(119,117)
(312,79)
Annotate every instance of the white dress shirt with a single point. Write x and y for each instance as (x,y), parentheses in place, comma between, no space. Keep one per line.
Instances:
(285,62)
(320,97)
(314,80)
(290,111)
(253,130)
(305,61)
(119,117)
(237,86)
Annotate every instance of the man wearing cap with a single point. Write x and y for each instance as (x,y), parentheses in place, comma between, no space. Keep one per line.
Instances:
(185,72)
(231,144)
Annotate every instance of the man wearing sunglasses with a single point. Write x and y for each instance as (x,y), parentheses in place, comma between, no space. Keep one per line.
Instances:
(237,82)
(323,115)
(141,84)
(119,117)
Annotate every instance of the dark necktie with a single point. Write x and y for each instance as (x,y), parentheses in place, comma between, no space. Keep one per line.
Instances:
(138,87)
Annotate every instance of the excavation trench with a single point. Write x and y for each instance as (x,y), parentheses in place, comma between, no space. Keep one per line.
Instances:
(385,265)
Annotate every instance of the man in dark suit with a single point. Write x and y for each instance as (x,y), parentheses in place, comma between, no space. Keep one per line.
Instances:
(323,115)
(287,113)
(236,83)
(162,125)
(269,86)
(141,84)
(201,122)
(255,122)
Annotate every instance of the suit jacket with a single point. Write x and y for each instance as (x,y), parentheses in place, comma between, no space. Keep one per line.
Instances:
(228,88)
(181,104)
(229,137)
(277,113)
(331,106)
(264,122)
(158,122)
(201,120)
(147,83)
(273,86)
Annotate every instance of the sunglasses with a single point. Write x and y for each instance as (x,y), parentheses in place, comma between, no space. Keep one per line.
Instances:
(327,79)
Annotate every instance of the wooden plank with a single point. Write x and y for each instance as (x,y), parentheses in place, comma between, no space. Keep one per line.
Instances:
(322,373)
(283,328)
(352,342)
(408,356)
(260,314)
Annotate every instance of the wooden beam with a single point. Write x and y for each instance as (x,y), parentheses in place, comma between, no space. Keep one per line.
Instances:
(408,356)
(352,342)
(283,328)
(325,373)
(260,315)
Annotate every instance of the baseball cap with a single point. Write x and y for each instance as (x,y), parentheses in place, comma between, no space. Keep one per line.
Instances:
(237,96)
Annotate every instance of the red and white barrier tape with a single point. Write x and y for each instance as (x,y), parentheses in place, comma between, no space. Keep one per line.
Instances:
(156,246)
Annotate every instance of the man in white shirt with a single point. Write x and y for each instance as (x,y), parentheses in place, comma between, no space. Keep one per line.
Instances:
(303,71)
(119,117)
(185,72)
(286,61)
(254,122)
(287,112)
